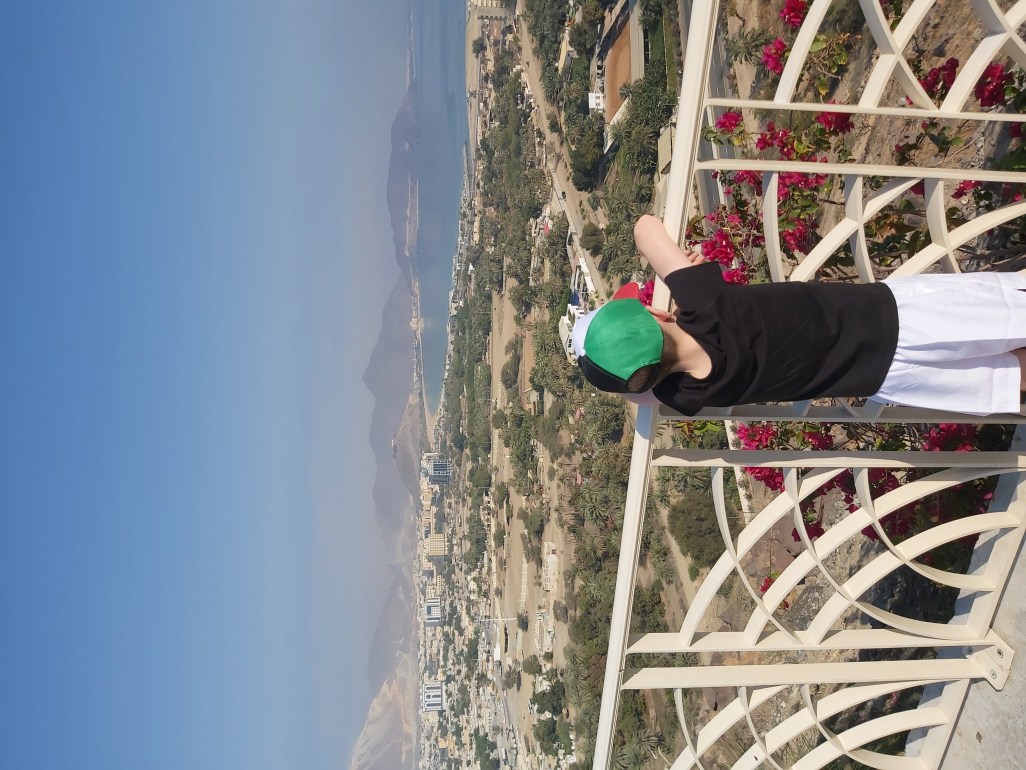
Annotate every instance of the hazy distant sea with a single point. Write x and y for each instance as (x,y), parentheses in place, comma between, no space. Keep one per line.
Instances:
(428,137)
(439,30)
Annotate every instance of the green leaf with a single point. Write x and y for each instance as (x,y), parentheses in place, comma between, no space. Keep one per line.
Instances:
(822,86)
(913,243)
(818,44)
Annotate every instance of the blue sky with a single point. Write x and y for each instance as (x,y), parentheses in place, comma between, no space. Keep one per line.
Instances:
(195,255)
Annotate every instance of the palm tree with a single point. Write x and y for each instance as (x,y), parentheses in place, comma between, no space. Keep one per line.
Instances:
(588,503)
(665,570)
(660,494)
(595,588)
(635,753)
(746,46)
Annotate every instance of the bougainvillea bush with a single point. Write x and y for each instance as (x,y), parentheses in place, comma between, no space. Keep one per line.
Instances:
(955,502)
(732,235)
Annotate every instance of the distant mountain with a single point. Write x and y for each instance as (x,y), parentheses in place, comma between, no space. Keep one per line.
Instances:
(387,741)
(402,183)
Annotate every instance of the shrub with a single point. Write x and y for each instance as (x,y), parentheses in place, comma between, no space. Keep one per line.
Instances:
(692,521)
(592,238)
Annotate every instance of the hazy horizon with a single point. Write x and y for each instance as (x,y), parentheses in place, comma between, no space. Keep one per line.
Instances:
(197,252)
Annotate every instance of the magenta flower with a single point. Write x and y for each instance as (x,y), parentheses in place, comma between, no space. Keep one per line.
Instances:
(793,13)
(719,248)
(728,122)
(796,238)
(647,290)
(835,122)
(819,440)
(737,275)
(813,529)
(773,478)
(948,72)
(773,55)
(990,88)
(939,80)
(751,178)
(964,187)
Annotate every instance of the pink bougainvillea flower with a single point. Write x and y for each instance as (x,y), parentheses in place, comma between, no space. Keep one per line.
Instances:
(796,238)
(736,275)
(964,187)
(773,478)
(1015,130)
(835,122)
(793,13)
(819,440)
(773,56)
(756,435)
(1011,193)
(647,290)
(952,437)
(813,529)
(719,248)
(990,88)
(751,178)
(728,122)
(948,72)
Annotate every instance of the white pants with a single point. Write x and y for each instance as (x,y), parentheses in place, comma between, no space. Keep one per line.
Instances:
(955,334)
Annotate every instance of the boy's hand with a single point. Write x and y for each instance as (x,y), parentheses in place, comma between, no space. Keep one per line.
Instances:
(659,249)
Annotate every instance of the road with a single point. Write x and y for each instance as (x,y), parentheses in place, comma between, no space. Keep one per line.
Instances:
(575,201)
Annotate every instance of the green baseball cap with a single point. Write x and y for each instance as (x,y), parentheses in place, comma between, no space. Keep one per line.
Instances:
(614,341)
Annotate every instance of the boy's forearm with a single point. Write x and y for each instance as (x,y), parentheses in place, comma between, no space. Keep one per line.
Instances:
(659,249)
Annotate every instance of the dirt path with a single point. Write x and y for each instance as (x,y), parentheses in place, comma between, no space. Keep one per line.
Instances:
(578,207)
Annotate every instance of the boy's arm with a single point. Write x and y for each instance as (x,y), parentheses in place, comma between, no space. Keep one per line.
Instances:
(659,249)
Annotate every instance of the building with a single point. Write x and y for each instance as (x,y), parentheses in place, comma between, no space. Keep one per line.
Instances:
(438,469)
(550,567)
(566,330)
(437,545)
(433,612)
(432,696)
(492,10)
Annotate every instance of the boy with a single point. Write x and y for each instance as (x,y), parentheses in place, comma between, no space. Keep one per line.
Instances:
(953,342)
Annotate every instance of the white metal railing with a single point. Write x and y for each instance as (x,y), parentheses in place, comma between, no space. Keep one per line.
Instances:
(801,668)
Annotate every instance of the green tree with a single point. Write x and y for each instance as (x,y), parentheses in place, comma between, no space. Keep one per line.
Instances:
(532,665)
(592,238)
(693,524)
(551,700)
(511,679)
(547,734)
